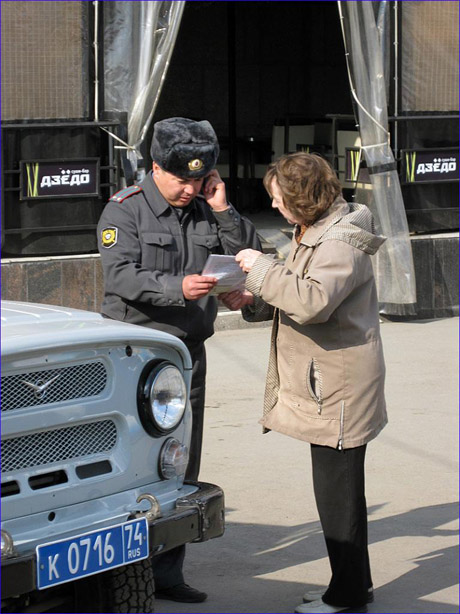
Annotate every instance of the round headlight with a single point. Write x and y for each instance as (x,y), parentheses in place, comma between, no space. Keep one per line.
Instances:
(164,398)
(173,459)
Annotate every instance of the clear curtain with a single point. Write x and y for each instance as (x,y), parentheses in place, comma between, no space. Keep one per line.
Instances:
(393,263)
(139,39)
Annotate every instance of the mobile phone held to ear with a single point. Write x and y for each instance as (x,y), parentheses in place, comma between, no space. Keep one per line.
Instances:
(205,181)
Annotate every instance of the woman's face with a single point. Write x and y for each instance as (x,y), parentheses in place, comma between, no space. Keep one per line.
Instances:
(277,203)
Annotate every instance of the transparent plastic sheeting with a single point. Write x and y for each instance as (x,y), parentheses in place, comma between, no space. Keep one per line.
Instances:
(139,39)
(393,262)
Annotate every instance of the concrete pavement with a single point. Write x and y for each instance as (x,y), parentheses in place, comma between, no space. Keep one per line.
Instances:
(273,548)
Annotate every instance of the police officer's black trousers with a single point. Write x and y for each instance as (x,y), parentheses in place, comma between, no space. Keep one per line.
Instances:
(167,567)
(338,482)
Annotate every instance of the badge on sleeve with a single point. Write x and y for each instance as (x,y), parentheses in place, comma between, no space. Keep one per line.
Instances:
(109,237)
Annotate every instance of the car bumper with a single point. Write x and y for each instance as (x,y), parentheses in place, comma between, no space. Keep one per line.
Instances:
(197,517)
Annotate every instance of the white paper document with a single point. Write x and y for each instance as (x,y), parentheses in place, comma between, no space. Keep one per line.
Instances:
(227,270)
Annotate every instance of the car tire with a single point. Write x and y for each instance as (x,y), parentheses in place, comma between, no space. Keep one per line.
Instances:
(129,589)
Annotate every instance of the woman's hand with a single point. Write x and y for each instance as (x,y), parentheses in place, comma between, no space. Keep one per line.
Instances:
(236,299)
(246,258)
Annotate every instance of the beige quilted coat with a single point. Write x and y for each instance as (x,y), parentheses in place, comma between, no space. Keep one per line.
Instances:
(325,382)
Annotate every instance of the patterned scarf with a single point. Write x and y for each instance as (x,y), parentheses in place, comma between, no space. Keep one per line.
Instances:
(299,232)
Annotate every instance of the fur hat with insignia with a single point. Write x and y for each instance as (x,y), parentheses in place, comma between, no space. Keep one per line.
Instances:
(184,147)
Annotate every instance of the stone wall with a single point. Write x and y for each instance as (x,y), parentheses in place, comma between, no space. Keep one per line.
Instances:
(78,282)
(72,282)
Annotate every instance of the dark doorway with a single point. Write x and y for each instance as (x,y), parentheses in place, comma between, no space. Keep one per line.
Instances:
(251,68)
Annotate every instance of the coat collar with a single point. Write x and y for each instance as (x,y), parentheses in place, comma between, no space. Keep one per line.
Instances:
(336,211)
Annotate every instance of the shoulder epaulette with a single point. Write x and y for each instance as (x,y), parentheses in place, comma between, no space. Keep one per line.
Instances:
(120,196)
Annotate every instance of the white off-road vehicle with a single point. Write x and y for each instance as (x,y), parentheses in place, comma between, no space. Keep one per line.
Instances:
(96,421)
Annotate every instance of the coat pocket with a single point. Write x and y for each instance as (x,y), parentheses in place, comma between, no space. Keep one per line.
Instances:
(157,249)
(315,383)
(162,239)
(208,241)
(202,246)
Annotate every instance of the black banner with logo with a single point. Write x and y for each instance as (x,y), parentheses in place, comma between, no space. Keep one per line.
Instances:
(429,165)
(59,178)
(355,166)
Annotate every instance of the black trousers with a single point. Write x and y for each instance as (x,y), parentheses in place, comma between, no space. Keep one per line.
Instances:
(338,482)
(167,567)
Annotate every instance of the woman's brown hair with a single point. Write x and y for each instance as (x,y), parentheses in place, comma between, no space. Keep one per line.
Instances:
(307,182)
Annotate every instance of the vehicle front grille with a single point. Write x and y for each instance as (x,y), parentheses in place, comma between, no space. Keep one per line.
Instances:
(42,387)
(62,444)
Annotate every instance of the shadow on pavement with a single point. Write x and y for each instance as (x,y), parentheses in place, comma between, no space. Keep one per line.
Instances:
(231,568)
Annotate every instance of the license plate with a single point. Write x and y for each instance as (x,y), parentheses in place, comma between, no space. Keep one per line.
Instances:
(90,553)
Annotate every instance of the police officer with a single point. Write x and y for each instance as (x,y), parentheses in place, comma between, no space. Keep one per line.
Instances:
(154,239)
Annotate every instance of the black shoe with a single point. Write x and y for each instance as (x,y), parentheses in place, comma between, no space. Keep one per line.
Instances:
(181,592)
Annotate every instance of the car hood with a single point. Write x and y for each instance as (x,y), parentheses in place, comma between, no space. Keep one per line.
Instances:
(31,326)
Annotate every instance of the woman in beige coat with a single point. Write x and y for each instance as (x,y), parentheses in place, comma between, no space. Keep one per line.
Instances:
(325,382)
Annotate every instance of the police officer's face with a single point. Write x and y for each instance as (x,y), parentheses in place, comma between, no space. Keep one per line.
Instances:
(177,191)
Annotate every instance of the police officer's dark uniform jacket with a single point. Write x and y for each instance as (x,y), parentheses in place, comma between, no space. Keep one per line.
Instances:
(146,250)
